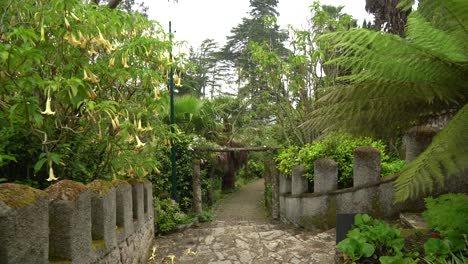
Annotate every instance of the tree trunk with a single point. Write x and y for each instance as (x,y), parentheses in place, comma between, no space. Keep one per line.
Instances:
(229,178)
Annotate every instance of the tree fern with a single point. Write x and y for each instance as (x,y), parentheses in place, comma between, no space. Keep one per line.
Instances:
(395,82)
(446,156)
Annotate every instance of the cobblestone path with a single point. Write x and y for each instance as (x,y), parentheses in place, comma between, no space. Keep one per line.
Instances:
(242,233)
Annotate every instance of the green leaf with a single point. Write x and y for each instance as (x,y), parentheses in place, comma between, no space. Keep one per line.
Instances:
(39,164)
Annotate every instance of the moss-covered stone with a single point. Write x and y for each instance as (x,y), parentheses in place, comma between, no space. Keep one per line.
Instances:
(100,187)
(422,133)
(98,244)
(366,152)
(18,196)
(118,183)
(135,181)
(323,221)
(66,190)
(60,262)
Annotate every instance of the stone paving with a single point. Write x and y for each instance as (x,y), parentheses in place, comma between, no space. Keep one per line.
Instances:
(243,234)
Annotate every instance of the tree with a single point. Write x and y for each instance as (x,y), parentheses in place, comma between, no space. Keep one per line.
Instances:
(260,27)
(396,82)
(79,91)
(389,16)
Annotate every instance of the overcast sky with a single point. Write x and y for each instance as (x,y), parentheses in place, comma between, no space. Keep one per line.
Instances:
(196,20)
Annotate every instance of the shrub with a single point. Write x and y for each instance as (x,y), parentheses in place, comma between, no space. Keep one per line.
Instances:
(374,238)
(338,147)
(448,215)
(169,215)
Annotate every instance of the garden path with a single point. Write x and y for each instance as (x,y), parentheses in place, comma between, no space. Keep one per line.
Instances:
(242,233)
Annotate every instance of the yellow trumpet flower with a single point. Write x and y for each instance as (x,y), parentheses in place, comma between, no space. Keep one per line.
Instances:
(51,174)
(139,143)
(48,110)
(67,24)
(111,62)
(42,33)
(77,20)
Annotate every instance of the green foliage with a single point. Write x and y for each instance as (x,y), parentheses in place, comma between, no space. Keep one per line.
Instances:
(169,215)
(205,216)
(395,83)
(444,159)
(373,237)
(80,91)
(436,249)
(448,215)
(338,147)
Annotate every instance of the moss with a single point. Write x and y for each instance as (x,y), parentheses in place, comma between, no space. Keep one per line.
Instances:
(18,196)
(135,181)
(322,221)
(377,210)
(414,232)
(60,262)
(119,229)
(422,133)
(118,183)
(98,244)
(100,187)
(366,152)
(66,190)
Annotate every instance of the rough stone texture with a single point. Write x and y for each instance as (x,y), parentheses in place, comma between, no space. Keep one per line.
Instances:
(138,203)
(299,183)
(196,187)
(417,140)
(245,237)
(24,230)
(325,175)
(274,191)
(149,214)
(413,220)
(366,169)
(103,213)
(284,184)
(124,210)
(135,249)
(69,222)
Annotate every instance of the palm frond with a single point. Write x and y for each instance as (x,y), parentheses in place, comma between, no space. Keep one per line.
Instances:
(446,157)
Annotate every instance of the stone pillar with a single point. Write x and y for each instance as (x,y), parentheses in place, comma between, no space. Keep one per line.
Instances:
(299,182)
(366,168)
(325,175)
(275,204)
(138,202)
(149,213)
(24,225)
(417,140)
(196,187)
(103,212)
(69,222)
(285,183)
(124,209)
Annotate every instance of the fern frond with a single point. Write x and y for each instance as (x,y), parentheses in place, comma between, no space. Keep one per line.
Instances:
(446,157)
(396,80)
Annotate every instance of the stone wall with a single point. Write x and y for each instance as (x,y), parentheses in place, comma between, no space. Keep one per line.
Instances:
(103,222)
(370,193)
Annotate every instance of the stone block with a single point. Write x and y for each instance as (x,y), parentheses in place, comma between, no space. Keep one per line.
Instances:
(149,206)
(138,202)
(69,222)
(103,212)
(299,182)
(285,184)
(366,169)
(325,175)
(24,225)
(124,209)
(417,140)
